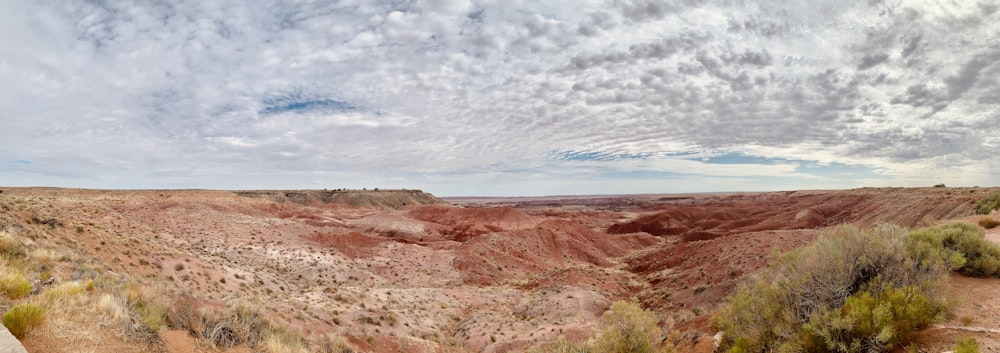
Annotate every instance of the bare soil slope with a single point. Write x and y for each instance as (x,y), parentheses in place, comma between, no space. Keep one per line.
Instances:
(401,270)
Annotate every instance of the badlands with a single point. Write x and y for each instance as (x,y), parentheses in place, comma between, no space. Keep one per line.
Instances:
(404,271)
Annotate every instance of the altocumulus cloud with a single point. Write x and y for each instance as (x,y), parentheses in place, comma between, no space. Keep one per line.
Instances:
(500,97)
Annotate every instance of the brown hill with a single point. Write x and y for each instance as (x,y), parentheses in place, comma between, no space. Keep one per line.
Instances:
(392,198)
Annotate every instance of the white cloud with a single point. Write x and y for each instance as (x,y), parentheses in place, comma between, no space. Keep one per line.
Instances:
(284,94)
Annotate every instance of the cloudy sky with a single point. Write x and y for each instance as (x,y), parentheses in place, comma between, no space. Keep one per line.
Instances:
(500,97)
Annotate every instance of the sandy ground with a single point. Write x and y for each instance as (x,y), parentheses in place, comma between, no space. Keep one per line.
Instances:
(977,306)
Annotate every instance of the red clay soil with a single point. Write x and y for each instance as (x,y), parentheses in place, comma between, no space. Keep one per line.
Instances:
(392,277)
(466,223)
(694,277)
(501,256)
(801,210)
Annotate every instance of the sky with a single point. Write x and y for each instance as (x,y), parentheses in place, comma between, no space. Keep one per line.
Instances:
(500,97)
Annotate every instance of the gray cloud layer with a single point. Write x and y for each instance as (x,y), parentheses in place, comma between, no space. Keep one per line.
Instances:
(460,96)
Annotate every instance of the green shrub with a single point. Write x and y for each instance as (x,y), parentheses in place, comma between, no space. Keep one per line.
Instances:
(625,328)
(982,257)
(988,223)
(870,322)
(14,285)
(23,318)
(849,291)
(988,204)
(967,345)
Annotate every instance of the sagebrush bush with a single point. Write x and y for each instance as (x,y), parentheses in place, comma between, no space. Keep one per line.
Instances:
(23,318)
(625,328)
(988,223)
(849,291)
(988,204)
(872,322)
(981,257)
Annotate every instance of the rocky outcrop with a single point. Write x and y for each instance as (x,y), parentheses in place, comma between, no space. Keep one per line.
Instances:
(8,343)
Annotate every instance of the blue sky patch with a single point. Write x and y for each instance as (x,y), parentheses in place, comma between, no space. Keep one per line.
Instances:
(739,158)
(826,170)
(296,104)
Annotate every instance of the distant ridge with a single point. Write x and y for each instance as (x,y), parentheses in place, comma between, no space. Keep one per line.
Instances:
(375,198)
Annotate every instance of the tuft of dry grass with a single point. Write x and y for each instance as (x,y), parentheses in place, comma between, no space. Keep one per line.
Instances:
(988,223)
(23,318)
(241,323)
(13,284)
(335,344)
(281,341)
(46,258)
(132,319)
(113,307)
(10,247)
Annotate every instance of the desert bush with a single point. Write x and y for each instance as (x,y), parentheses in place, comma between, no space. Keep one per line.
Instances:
(988,223)
(23,318)
(14,285)
(870,322)
(849,290)
(625,328)
(988,204)
(981,257)
(967,345)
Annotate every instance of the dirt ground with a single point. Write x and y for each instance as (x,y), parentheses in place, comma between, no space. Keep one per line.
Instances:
(400,270)
(977,308)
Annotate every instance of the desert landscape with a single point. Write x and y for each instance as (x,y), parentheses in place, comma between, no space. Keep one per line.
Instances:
(405,271)
(451,176)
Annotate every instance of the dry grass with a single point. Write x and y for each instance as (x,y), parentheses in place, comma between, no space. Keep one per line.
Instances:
(14,284)
(23,318)
(283,342)
(46,258)
(245,323)
(10,247)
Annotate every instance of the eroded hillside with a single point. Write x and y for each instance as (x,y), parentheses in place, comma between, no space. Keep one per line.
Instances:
(403,271)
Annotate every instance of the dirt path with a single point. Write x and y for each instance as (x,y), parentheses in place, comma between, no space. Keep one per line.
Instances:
(976,314)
